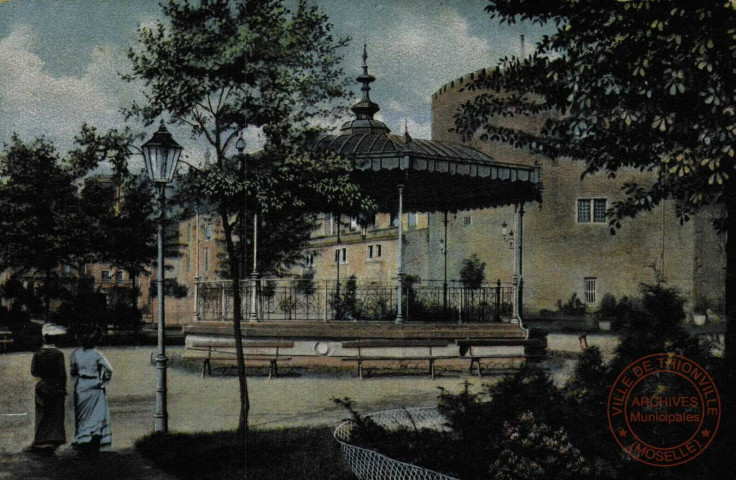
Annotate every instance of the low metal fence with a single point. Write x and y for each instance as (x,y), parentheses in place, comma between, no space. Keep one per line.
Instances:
(293,299)
(370,465)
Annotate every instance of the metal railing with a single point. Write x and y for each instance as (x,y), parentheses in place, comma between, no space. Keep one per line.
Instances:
(370,465)
(295,299)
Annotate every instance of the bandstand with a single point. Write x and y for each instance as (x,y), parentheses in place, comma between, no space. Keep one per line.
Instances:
(401,174)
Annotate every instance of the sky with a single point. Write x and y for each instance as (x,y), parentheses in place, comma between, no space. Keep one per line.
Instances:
(60,60)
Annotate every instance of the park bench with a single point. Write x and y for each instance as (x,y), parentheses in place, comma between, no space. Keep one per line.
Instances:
(496,360)
(216,346)
(361,344)
(6,340)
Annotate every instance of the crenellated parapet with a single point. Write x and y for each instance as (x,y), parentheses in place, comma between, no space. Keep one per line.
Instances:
(465,79)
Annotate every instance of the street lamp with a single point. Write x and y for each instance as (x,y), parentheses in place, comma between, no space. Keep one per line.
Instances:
(240,147)
(161,154)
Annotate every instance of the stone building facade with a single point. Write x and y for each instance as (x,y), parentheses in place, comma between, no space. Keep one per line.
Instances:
(568,247)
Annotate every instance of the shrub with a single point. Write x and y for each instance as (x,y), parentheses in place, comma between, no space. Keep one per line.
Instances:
(305,283)
(172,288)
(586,394)
(287,305)
(473,272)
(658,327)
(607,307)
(379,305)
(473,416)
(574,307)
(125,317)
(346,305)
(269,290)
(533,450)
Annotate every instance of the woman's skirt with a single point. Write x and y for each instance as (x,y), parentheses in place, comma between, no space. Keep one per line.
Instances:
(49,426)
(92,413)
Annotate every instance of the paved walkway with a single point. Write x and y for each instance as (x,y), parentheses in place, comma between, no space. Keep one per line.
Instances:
(115,465)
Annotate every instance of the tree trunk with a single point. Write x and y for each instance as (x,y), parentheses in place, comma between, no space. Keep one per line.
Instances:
(234,262)
(727,386)
(47,296)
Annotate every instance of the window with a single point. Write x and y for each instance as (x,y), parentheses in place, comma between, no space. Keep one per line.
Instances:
(341,255)
(67,269)
(412,220)
(209,233)
(467,220)
(87,269)
(590,287)
(592,210)
(119,276)
(106,276)
(188,262)
(206,259)
(353,224)
(189,232)
(394,220)
(599,210)
(374,251)
(309,260)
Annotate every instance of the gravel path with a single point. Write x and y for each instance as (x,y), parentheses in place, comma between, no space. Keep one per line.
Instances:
(209,404)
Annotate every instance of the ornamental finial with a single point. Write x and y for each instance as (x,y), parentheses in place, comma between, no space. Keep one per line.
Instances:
(365,108)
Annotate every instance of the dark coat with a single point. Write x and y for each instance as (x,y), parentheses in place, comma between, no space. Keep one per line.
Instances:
(48,365)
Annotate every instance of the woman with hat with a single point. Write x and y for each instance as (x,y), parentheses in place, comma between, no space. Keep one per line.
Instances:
(92,372)
(48,365)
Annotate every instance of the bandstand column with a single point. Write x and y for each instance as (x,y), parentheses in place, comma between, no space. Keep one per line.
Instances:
(254,274)
(518,261)
(444,275)
(196,298)
(400,259)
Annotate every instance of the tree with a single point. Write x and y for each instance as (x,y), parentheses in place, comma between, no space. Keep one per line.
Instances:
(222,67)
(634,83)
(53,214)
(37,203)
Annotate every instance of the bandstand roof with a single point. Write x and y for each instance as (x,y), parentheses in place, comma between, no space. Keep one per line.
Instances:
(437,176)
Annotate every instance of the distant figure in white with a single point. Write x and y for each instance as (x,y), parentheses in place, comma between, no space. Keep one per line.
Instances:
(92,372)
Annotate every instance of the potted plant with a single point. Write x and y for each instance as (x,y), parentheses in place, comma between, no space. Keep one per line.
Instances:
(699,314)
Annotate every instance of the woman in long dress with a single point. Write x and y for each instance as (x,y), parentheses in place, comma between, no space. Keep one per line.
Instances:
(48,365)
(92,372)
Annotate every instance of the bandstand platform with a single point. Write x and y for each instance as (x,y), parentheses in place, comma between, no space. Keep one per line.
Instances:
(335,339)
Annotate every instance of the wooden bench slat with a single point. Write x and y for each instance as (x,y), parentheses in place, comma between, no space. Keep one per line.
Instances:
(394,343)
(395,359)
(492,342)
(264,344)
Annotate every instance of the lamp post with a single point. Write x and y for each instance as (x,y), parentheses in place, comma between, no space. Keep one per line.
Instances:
(240,147)
(161,154)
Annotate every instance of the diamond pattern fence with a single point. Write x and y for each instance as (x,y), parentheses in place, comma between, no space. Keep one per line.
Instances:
(371,465)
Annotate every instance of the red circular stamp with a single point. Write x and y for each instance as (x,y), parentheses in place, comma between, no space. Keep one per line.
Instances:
(664,410)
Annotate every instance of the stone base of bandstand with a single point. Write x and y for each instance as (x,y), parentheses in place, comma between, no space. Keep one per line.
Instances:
(327,339)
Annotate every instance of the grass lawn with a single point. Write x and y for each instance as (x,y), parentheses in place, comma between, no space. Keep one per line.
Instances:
(307,452)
